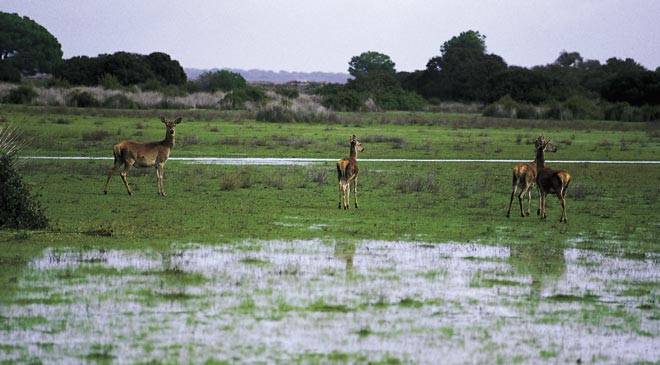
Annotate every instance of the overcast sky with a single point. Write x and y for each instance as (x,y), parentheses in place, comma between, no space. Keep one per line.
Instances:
(322,35)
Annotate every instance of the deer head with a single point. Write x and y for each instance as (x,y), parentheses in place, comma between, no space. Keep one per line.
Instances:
(356,144)
(543,144)
(170,125)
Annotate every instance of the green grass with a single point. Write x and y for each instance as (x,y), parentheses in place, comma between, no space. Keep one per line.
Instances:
(403,135)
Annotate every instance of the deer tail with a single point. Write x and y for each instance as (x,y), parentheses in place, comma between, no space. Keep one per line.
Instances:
(341,171)
(116,152)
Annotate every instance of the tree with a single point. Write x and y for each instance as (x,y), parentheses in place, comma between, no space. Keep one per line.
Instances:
(462,70)
(224,80)
(569,59)
(167,70)
(470,40)
(27,46)
(367,62)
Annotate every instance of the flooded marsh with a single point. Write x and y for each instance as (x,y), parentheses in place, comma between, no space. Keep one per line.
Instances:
(332,300)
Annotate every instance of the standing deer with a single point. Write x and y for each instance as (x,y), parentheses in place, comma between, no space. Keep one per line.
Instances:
(144,154)
(550,181)
(524,177)
(347,172)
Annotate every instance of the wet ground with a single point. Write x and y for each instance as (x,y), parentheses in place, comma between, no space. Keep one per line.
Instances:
(327,301)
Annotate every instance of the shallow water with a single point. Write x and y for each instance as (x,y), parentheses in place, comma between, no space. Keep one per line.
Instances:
(280,301)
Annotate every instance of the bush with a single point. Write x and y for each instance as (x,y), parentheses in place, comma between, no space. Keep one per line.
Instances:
(119,101)
(288,91)
(399,100)
(238,98)
(343,100)
(21,95)
(81,99)
(110,82)
(583,108)
(527,111)
(95,136)
(18,208)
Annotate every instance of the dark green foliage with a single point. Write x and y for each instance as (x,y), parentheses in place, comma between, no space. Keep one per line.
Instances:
(166,70)
(126,68)
(369,62)
(237,98)
(23,94)
(119,101)
(81,99)
(223,80)
(289,91)
(9,73)
(27,46)
(342,99)
(18,208)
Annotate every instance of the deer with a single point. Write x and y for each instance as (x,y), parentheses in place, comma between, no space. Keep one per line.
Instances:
(347,173)
(548,180)
(144,154)
(524,177)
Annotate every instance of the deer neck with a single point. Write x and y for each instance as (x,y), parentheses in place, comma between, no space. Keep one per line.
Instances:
(540,160)
(353,155)
(168,141)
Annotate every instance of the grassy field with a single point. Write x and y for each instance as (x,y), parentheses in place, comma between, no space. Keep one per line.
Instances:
(259,251)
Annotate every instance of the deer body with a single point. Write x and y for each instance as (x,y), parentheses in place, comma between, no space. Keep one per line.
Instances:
(550,181)
(347,173)
(524,177)
(144,154)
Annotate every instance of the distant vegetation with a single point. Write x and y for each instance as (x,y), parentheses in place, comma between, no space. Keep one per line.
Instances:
(463,73)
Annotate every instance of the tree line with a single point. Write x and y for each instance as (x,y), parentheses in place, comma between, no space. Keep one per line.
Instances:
(462,71)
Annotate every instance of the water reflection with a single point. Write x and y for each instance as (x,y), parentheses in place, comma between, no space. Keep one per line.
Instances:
(544,263)
(345,250)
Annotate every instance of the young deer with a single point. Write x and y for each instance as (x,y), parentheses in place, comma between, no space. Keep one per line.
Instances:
(144,154)
(347,172)
(524,177)
(550,181)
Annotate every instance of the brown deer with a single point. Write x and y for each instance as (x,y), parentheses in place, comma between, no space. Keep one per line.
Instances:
(347,172)
(524,177)
(144,154)
(550,181)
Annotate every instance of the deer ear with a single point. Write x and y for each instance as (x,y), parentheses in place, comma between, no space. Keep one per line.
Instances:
(177,120)
(162,119)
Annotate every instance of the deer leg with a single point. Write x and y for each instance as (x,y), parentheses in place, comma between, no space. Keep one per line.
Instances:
(513,192)
(347,195)
(124,175)
(542,208)
(161,171)
(355,191)
(341,195)
(529,200)
(562,199)
(110,173)
(521,197)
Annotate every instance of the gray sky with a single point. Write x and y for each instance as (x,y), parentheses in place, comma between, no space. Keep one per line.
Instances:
(322,35)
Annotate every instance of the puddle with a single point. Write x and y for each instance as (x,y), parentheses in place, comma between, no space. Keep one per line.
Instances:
(321,301)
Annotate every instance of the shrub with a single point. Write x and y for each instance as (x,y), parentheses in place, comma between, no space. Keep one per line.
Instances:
(82,99)
(119,101)
(239,179)
(110,82)
(343,100)
(527,111)
(18,208)
(237,99)
(21,95)
(583,108)
(287,91)
(414,184)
